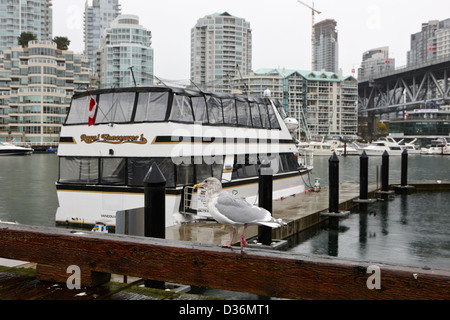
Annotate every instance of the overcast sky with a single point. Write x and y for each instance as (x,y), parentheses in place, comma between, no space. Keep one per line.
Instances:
(281,29)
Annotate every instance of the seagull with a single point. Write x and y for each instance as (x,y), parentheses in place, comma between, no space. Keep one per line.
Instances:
(232,210)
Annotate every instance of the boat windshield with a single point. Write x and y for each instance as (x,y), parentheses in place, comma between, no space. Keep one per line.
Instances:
(161,104)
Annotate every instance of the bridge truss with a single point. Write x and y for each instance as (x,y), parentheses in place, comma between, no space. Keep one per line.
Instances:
(406,89)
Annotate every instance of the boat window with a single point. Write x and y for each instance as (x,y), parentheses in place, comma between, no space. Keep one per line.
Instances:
(79,111)
(214,110)
(280,109)
(288,162)
(181,109)
(229,111)
(78,170)
(113,171)
(256,117)
(199,106)
(152,106)
(139,167)
(217,169)
(264,116)
(115,107)
(202,169)
(243,113)
(185,173)
(245,166)
(273,118)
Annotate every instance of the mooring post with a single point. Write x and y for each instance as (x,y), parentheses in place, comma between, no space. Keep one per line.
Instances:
(265,195)
(363,176)
(333,176)
(155,210)
(385,171)
(404,174)
(155,204)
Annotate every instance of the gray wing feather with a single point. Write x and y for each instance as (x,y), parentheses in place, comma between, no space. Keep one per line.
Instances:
(239,210)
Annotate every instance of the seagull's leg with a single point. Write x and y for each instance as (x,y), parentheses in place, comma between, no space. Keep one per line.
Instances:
(243,240)
(232,239)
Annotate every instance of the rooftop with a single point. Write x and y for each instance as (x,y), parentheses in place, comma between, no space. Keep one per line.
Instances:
(308,75)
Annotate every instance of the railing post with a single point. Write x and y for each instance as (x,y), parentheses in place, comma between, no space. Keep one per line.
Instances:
(155,210)
(265,196)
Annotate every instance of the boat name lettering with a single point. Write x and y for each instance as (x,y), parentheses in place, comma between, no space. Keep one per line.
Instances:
(106,138)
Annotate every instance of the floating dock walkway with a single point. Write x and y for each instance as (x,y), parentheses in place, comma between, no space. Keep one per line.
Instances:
(300,212)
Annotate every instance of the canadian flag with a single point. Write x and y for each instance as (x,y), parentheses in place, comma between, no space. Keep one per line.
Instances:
(92,106)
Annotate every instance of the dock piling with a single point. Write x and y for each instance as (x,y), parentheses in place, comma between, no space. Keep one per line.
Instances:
(265,192)
(333,166)
(404,187)
(404,174)
(385,172)
(333,212)
(333,199)
(155,207)
(363,176)
(155,211)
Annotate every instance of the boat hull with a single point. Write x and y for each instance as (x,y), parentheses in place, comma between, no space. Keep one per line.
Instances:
(84,207)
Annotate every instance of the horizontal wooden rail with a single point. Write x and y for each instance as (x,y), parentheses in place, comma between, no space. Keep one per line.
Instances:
(262,272)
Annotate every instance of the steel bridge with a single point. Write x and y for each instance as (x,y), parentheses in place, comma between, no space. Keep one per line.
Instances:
(406,88)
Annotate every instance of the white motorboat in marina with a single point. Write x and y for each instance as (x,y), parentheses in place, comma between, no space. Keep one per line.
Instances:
(321,148)
(349,150)
(111,137)
(378,147)
(438,146)
(8,149)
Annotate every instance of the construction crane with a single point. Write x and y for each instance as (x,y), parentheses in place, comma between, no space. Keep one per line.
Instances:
(313,35)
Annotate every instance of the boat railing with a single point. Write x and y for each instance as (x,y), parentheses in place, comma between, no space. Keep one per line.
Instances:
(188,204)
(306,159)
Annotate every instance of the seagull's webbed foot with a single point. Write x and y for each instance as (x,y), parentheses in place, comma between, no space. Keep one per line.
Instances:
(243,240)
(243,243)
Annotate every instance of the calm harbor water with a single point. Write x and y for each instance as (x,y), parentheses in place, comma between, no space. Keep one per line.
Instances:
(410,229)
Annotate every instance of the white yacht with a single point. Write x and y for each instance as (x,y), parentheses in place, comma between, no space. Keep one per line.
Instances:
(411,147)
(191,135)
(351,150)
(438,146)
(378,147)
(321,148)
(8,149)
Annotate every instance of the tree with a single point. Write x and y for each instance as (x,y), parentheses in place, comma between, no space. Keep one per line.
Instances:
(24,38)
(62,43)
(383,129)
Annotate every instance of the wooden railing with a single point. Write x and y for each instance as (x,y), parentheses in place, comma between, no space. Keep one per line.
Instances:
(264,272)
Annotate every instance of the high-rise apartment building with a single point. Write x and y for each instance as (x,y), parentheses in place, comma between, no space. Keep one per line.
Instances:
(125,52)
(430,42)
(17,16)
(324,103)
(376,62)
(36,86)
(326,48)
(221,48)
(97,17)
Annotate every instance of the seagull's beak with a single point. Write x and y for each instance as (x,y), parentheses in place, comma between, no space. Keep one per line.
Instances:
(200,185)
